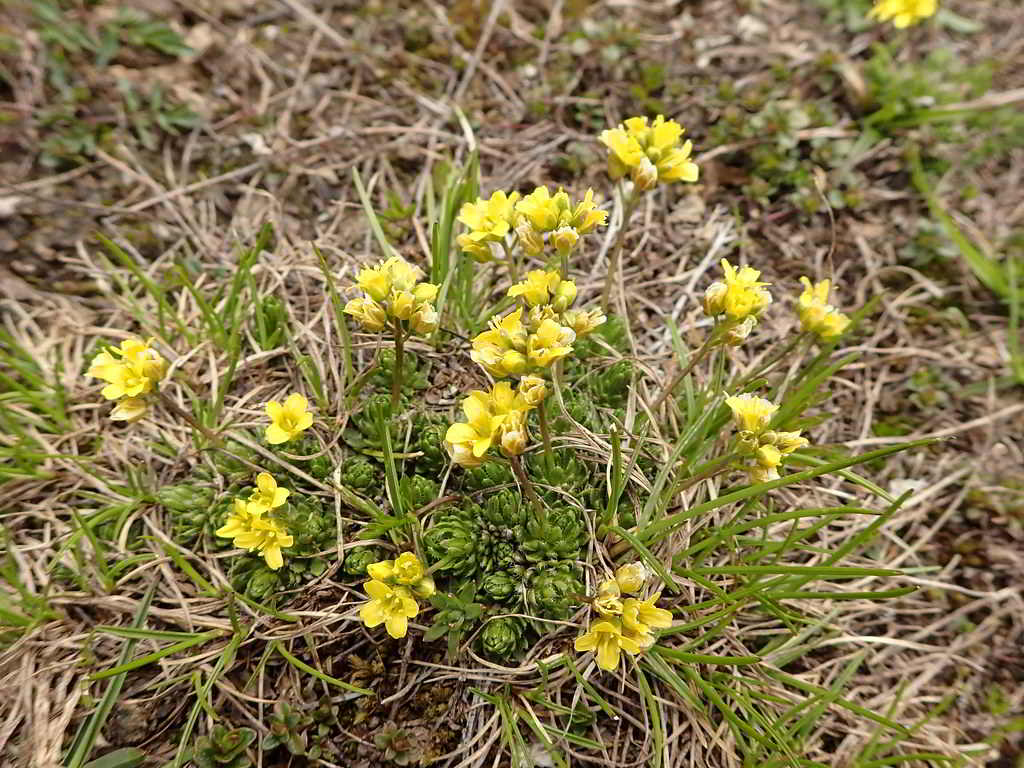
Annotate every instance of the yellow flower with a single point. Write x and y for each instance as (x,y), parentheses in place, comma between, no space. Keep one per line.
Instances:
(468,441)
(586,216)
(540,209)
(564,239)
(651,154)
(287,421)
(499,349)
(488,221)
(129,409)
(375,282)
(631,577)
(737,333)
(751,413)
(390,606)
(129,370)
(406,570)
(268,537)
(583,321)
(267,495)
(424,319)
(513,436)
(641,616)
(608,601)
(533,390)
(531,240)
(787,442)
(402,275)
(903,13)
(816,314)
(607,639)
(548,343)
(538,287)
(739,296)
(368,312)
(239,521)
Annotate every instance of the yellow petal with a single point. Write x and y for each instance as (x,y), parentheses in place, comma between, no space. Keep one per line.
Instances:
(372,613)
(608,654)
(397,625)
(377,589)
(272,554)
(280,496)
(275,435)
(295,405)
(274,410)
(587,642)
(381,571)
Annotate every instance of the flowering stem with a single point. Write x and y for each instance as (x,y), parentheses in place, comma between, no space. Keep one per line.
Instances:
(513,262)
(177,411)
(694,361)
(524,481)
(545,433)
(396,372)
(616,252)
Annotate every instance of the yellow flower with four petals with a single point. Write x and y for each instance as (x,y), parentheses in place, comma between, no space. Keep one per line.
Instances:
(287,421)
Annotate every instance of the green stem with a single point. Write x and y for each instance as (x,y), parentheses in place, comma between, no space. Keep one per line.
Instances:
(616,252)
(173,408)
(694,361)
(527,486)
(545,433)
(396,373)
(513,262)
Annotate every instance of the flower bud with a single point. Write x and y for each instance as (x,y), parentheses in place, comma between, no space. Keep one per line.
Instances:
(368,312)
(424,320)
(533,390)
(530,239)
(129,409)
(565,295)
(514,363)
(645,175)
(608,601)
(564,239)
(714,299)
(462,454)
(402,305)
(737,333)
(631,577)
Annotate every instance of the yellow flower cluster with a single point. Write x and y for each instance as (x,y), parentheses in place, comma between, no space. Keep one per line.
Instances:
(903,13)
(625,624)
(498,416)
(131,372)
(763,448)
(489,222)
(287,421)
(739,296)
(392,589)
(649,153)
(250,530)
(816,314)
(513,346)
(393,290)
(537,220)
(554,220)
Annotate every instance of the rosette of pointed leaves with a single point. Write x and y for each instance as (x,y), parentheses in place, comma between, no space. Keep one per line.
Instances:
(451,543)
(358,558)
(555,538)
(504,638)
(553,590)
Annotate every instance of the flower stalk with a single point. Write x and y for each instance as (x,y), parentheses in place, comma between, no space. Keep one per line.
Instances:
(396,371)
(616,253)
